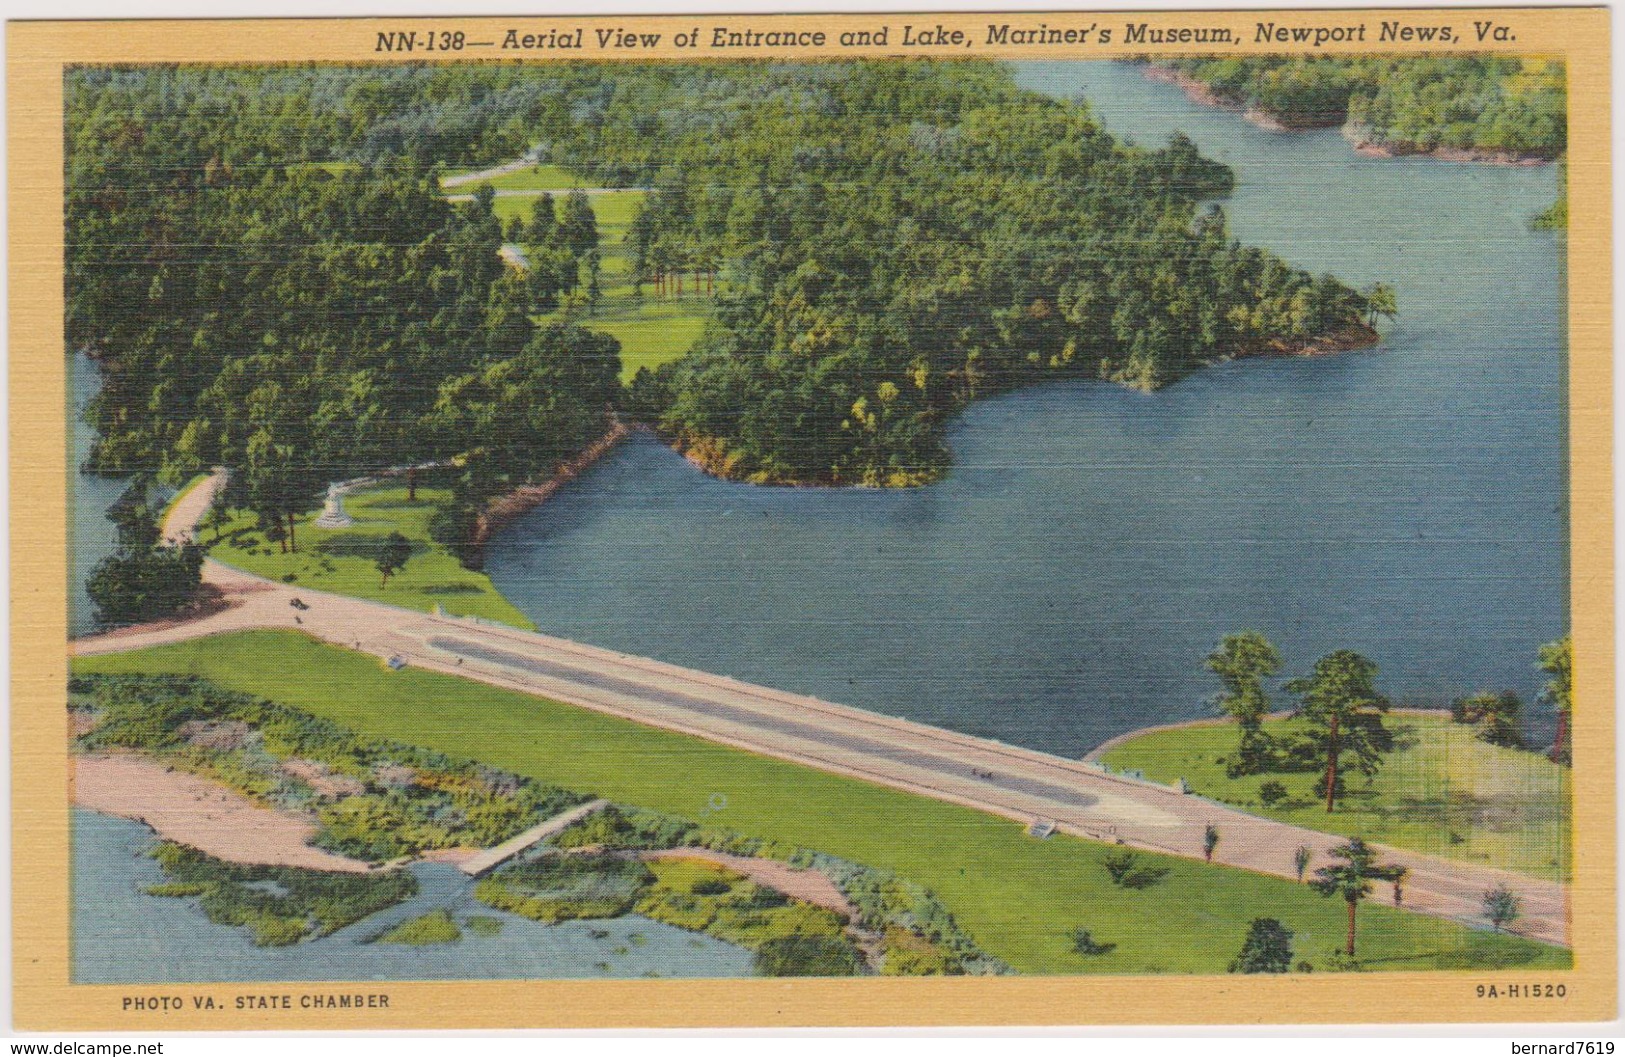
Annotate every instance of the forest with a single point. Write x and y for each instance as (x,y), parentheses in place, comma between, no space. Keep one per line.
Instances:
(261,263)
(1493,105)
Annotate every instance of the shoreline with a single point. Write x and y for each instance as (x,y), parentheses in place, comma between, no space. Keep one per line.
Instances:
(1357,137)
(503,510)
(1349,338)
(1203,94)
(707,455)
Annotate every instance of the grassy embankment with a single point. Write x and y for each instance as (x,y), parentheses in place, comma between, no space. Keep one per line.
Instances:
(1444,792)
(651,329)
(344,560)
(1019,897)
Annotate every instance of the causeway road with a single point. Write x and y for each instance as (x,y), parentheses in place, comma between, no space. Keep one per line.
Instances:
(980,773)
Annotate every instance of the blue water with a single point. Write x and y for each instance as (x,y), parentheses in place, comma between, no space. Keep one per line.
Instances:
(1092,544)
(91,537)
(123,935)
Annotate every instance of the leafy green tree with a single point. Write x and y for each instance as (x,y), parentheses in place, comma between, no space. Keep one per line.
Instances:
(393,555)
(578,224)
(1267,948)
(134,520)
(137,584)
(219,511)
(1380,300)
(544,221)
(1242,662)
(1343,710)
(1497,718)
(1351,879)
(1502,906)
(808,956)
(1557,661)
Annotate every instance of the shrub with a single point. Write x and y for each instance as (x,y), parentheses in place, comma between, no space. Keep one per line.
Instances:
(432,928)
(711,886)
(1271,793)
(1496,718)
(480,925)
(1267,949)
(1119,865)
(808,956)
(1084,943)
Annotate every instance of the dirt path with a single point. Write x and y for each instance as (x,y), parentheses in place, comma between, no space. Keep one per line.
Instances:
(199,813)
(182,521)
(517,165)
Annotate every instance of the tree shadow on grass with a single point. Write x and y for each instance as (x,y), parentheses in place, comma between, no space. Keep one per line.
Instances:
(367,546)
(450,589)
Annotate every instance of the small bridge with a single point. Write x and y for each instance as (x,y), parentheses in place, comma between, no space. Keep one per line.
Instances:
(491,858)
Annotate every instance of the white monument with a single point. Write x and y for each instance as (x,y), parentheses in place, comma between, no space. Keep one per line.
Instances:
(333,515)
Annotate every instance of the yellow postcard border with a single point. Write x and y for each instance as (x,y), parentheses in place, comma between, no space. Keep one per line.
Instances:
(43,998)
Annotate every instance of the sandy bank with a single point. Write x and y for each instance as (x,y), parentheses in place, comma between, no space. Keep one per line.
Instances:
(1345,339)
(196,812)
(1359,137)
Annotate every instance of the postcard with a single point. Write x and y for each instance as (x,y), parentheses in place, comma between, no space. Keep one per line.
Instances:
(674,521)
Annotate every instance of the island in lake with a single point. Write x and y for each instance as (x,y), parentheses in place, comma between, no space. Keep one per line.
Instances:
(421,645)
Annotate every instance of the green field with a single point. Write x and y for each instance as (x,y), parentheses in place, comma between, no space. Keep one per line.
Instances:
(341,560)
(651,329)
(534,178)
(1443,792)
(332,168)
(1020,898)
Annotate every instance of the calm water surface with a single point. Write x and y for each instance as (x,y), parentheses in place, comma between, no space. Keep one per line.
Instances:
(1062,584)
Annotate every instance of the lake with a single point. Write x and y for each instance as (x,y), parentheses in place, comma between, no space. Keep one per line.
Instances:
(1063,583)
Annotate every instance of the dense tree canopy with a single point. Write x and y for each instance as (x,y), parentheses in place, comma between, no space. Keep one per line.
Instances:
(294,322)
(1495,104)
(263,264)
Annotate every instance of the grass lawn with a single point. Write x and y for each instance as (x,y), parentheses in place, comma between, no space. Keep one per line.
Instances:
(342,560)
(1018,897)
(332,167)
(652,333)
(1443,792)
(652,330)
(533,178)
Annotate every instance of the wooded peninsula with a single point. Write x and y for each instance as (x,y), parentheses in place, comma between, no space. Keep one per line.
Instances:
(265,266)
(1470,107)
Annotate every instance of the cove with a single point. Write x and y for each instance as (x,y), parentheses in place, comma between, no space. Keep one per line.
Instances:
(1091,544)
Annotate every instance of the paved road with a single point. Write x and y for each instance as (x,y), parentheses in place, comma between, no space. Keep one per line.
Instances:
(981,773)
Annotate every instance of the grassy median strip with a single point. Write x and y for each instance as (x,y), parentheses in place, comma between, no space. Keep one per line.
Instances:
(1022,899)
